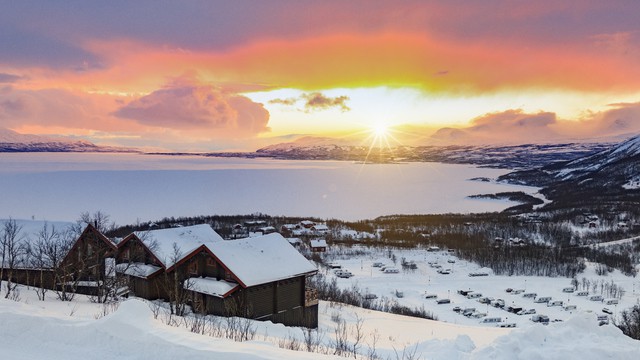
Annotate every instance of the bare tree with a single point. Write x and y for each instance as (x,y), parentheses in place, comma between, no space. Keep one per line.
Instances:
(44,257)
(98,219)
(176,284)
(14,252)
(64,276)
(358,335)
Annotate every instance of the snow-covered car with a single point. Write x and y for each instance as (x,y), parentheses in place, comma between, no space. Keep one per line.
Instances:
(607,311)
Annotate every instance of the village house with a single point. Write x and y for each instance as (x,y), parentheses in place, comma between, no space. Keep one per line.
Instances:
(318,245)
(84,268)
(262,278)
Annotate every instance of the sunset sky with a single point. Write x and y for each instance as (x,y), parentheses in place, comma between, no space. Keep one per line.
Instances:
(239,75)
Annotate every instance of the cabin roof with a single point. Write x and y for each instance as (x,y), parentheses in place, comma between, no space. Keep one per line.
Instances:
(210,286)
(140,270)
(262,259)
(187,239)
(318,243)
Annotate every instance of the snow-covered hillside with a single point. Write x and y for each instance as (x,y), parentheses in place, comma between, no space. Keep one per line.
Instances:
(616,160)
(54,330)
(11,141)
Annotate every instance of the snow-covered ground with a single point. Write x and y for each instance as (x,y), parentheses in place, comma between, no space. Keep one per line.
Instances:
(32,329)
(416,284)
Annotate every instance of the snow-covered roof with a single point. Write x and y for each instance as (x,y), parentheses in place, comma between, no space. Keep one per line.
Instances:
(261,259)
(137,269)
(318,243)
(187,239)
(293,241)
(210,286)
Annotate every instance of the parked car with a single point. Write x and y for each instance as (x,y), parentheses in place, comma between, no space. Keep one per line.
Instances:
(341,273)
(607,311)
(526,312)
(544,319)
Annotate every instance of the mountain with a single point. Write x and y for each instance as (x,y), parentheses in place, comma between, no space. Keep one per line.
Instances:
(11,141)
(610,177)
(524,156)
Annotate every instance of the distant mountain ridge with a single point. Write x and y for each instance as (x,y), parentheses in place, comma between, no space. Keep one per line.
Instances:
(11,141)
(607,178)
(523,156)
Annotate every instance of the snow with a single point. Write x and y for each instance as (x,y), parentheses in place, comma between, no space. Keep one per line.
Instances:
(261,259)
(615,242)
(189,238)
(416,284)
(210,286)
(136,269)
(58,330)
(318,243)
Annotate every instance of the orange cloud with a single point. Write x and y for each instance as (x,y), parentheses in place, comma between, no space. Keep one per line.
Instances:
(389,59)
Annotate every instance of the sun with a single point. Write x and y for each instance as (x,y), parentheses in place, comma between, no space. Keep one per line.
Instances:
(380,130)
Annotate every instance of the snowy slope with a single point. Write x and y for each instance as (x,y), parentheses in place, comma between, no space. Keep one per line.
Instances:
(131,332)
(625,153)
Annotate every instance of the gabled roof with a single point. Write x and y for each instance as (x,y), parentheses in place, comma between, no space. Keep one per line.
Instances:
(186,239)
(90,229)
(262,259)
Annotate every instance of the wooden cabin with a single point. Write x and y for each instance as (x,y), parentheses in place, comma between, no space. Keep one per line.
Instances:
(261,278)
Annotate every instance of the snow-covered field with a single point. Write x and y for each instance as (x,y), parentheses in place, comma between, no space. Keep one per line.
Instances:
(32,329)
(133,187)
(425,280)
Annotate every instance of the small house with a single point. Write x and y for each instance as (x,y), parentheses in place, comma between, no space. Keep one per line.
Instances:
(318,245)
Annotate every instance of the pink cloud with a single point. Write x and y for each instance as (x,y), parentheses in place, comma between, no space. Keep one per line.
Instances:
(507,127)
(189,106)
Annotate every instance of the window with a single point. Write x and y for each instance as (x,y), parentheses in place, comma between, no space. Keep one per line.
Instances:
(211,262)
(125,254)
(227,276)
(193,268)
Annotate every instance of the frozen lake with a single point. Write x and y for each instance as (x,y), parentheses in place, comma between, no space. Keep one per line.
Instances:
(60,186)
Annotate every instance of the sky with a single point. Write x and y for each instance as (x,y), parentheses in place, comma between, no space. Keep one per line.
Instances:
(240,75)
